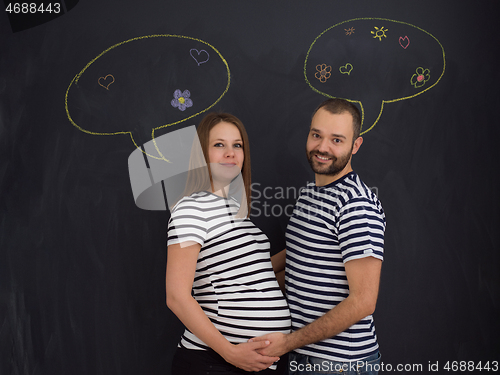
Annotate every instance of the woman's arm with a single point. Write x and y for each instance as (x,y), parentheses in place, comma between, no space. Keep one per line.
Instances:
(181,268)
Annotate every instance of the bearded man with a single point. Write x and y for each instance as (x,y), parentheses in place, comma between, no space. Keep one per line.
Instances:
(333,256)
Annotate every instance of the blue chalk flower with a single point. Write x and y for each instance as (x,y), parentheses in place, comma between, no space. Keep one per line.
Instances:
(181,100)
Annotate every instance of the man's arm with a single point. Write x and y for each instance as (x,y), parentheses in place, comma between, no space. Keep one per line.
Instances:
(278,261)
(363,276)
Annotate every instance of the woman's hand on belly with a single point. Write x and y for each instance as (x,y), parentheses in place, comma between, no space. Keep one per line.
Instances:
(246,357)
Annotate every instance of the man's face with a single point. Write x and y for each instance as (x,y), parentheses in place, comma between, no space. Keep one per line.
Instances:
(330,143)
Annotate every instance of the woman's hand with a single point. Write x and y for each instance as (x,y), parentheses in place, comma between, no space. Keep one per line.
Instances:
(245,356)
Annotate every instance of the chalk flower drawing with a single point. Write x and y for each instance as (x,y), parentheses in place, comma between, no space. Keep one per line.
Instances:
(420,77)
(323,72)
(181,100)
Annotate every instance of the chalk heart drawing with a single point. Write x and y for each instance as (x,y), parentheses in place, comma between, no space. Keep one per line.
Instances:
(106,81)
(199,56)
(404,42)
(382,71)
(346,69)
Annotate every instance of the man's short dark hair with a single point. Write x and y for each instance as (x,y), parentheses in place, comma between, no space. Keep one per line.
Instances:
(338,106)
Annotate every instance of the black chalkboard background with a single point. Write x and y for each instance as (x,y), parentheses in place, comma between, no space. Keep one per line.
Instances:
(82,268)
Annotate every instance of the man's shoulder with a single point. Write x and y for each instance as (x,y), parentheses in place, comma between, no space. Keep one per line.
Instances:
(351,193)
(354,188)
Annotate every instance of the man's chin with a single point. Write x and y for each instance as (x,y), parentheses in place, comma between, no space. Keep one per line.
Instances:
(321,168)
(327,170)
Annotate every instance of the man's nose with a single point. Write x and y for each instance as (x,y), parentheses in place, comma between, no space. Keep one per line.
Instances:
(323,146)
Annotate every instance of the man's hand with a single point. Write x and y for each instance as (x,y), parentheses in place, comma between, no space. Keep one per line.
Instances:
(277,346)
(247,356)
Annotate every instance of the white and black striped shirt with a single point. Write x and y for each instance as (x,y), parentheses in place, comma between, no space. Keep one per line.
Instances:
(234,281)
(331,225)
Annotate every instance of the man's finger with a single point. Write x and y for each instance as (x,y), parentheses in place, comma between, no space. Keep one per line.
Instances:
(257,339)
(259,344)
(268,360)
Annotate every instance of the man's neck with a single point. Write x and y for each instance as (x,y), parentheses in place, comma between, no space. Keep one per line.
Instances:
(323,179)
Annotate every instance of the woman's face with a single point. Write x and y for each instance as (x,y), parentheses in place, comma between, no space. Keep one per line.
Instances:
(225,151)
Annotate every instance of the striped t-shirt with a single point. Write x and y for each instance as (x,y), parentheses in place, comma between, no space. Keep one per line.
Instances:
(331,225)
(234,281)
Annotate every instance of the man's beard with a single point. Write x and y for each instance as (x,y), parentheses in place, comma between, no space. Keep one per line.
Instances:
(336,166)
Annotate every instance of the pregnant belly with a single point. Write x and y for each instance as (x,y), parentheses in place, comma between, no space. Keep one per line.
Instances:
(241,319)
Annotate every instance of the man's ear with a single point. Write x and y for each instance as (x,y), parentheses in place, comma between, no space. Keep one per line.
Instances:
(357,145)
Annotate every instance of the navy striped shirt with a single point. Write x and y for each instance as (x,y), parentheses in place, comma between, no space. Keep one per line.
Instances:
(234,282)
(331,225)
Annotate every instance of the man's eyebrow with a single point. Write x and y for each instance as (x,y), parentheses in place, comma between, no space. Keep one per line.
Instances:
(339,136)
(333,135)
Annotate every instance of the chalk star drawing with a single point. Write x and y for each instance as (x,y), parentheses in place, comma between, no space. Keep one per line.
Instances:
(379,33)
(349,31)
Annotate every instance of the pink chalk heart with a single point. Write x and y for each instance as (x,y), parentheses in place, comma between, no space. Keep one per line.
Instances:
(404,42)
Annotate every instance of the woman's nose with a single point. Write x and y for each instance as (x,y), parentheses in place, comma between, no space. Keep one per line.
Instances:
(229,152)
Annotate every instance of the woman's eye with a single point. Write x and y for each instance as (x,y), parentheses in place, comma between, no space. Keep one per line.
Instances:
(218,145)
(238,145)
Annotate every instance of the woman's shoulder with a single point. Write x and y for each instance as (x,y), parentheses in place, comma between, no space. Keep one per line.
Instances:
(199,201)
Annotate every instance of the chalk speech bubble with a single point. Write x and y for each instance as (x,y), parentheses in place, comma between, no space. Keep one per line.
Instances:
(144,84)
(373,61)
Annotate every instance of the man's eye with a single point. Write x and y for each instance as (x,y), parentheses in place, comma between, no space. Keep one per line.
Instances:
(315,135)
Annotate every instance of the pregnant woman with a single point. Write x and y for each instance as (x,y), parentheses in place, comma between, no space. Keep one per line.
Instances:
(220,282)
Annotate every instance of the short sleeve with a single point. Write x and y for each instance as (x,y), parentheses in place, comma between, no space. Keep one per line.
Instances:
(187,223)
(361,230)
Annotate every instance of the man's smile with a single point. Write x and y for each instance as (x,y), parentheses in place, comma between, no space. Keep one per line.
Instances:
(322,158)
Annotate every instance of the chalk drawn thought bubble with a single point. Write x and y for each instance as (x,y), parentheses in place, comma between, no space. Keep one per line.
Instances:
(144,84)
(373,61)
